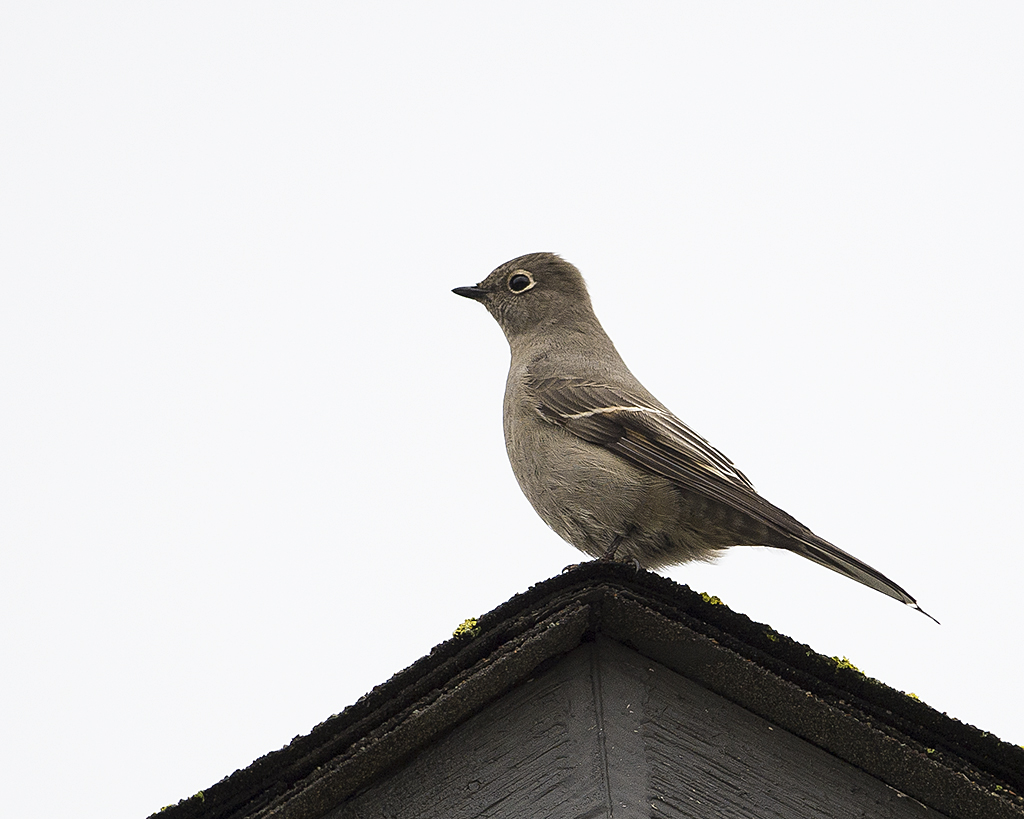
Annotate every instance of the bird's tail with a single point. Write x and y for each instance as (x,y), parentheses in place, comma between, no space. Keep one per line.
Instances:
(834,558)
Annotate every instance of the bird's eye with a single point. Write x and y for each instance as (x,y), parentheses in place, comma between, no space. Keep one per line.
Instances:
(520,281)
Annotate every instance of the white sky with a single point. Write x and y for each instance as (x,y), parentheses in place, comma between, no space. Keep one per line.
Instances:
(250,444)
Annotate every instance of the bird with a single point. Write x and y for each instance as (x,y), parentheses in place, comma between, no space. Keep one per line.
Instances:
(604,463)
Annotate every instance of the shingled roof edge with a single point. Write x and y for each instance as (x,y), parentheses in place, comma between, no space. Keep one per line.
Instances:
(276,778)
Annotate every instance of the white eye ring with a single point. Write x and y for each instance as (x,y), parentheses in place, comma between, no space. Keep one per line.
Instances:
(519,287)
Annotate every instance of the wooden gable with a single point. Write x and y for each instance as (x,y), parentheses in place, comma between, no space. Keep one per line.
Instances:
(610,693)
(606,731)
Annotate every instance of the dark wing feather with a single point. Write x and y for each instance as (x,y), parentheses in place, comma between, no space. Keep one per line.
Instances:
(651,437)
(602,415)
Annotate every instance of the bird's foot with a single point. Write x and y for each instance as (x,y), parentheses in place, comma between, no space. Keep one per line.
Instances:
(605,558)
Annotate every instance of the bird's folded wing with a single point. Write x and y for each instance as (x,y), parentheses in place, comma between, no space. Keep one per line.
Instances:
(652,438)
(638,430)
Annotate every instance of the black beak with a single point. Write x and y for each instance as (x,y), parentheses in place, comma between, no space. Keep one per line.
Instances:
(475,293)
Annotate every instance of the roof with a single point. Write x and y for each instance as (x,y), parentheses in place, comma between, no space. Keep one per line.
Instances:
(945,764)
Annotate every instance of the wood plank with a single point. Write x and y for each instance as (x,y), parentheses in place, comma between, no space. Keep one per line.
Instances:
(607,732)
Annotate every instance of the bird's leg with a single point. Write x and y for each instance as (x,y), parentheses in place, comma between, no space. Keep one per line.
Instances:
(610,554)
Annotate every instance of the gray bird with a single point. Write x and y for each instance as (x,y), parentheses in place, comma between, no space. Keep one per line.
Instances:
(607,465)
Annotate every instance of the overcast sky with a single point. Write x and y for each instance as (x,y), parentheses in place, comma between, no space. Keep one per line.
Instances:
(251,461)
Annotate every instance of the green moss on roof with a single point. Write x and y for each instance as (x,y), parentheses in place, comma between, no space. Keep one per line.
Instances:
(845,663)
(468,628)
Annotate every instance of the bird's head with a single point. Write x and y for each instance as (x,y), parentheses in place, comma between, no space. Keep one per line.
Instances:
(531,293)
